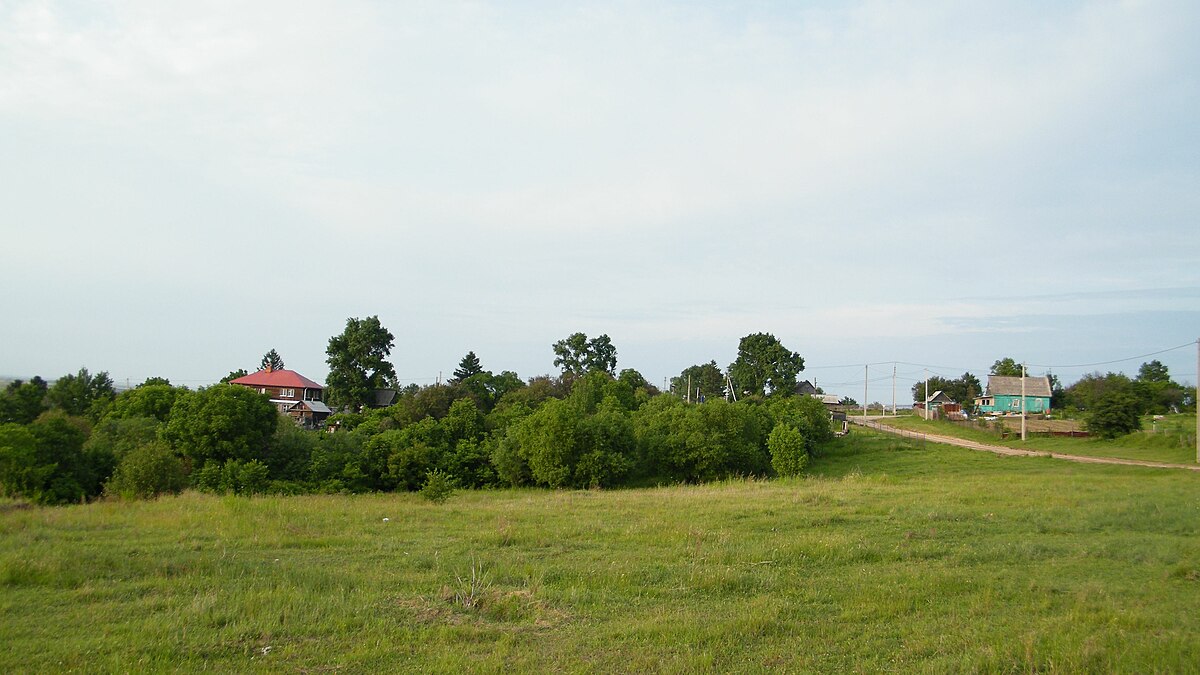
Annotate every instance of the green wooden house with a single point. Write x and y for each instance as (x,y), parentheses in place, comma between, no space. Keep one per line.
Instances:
(1003,395)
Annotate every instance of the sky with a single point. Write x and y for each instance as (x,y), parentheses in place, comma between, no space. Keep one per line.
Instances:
(939,185)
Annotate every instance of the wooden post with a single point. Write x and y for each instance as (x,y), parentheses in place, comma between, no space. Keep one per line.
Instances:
(1022,402)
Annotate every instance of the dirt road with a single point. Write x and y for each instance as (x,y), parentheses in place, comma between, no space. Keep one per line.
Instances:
(878,424)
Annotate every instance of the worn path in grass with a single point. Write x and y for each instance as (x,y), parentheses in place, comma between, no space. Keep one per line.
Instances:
(876,423)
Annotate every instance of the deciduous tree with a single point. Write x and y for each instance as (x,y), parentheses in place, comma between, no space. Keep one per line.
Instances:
(705,379)
(82,394)
(1006,367)
(764,366)
(358,363)
(220,423)
(576,354)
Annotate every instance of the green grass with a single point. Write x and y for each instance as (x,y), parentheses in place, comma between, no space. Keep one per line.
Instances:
(1174,440)
(889,557)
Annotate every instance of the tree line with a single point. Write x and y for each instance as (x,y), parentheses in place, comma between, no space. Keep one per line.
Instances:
(1111,403)
(590,426)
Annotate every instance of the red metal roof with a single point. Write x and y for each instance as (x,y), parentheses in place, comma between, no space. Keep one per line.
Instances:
(277,378)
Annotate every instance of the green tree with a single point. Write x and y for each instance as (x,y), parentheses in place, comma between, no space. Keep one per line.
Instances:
(271,360)
(577,355)
(151,381)
(1113,415)
(789,456)
(153,400)
(21,472)
(71,476)
(1155,389)
(1153,371)
(962,389)
(148,471)
(82,394)
(705,379)
(1088,390)
(1006,367)
(233,375)
(764,366)
(22,402)
(358,363)
(220,423)
(468,367)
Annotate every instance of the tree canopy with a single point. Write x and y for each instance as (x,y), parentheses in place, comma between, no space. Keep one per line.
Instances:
(705,378)
(961,389)
(1006,367)
(220,423)
(82,394)
(358,363)
(577,355)
(764,366)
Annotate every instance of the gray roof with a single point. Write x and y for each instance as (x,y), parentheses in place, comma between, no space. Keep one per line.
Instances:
(939,396)
(1001,385)
(385,397)
(805,387)
(317,406)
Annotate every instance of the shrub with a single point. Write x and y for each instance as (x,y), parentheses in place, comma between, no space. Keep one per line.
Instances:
(146,472)
(789,450)
(438,486)
(1114,415)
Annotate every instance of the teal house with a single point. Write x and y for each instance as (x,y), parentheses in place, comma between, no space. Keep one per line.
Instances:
(1003,395)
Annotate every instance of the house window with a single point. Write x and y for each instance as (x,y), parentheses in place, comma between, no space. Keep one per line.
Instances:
(1016,403)
(287,393)
(262,390)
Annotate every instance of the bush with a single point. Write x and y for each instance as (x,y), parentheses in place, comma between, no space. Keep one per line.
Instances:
(789,450)
(146,472)
(234,476)
(438,486)
(1114,415)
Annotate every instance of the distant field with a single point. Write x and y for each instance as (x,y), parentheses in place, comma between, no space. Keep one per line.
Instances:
(889,557)
(1169,440)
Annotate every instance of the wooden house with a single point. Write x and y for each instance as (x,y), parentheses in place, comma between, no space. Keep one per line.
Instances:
(295,395)
(1003,395)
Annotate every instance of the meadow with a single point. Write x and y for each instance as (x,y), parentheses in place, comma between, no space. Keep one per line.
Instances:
(888,556)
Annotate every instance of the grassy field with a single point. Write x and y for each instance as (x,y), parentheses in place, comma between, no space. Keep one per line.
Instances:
(1172,439)
(889,557)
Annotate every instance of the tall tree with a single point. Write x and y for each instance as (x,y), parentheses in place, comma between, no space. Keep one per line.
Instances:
(358,362)
(22,402)
(233,375)
(705,377)
(1153,371)
(82,394)
(271,360)
(220,423)
(467,367)
(765,366)
(577,355)
(1006,367)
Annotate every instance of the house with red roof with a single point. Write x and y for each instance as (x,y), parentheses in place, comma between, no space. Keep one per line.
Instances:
(294,394)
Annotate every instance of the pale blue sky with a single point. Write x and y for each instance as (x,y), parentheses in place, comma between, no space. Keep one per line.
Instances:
(187,185)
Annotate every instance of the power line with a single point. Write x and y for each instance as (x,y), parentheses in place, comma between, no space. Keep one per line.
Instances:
(1105,363)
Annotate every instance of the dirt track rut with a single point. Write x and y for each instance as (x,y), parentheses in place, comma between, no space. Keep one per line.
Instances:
(874,423)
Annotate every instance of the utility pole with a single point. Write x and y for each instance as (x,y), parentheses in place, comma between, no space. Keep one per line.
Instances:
(926,406)
(689,394)
(1196,400)
(1022,402)
(893,390)
(866,369)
